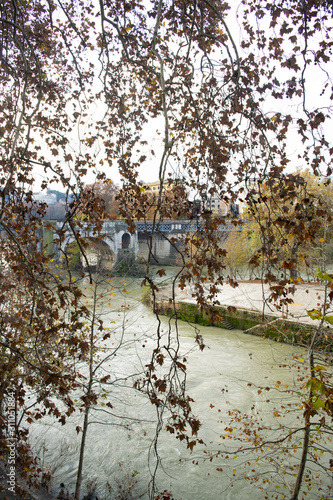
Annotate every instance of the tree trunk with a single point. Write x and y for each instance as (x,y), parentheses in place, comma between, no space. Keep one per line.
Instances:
(306,438)
(301,467)
(82,449)
(88,400)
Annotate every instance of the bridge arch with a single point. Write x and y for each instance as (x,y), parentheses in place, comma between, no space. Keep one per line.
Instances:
(100,256)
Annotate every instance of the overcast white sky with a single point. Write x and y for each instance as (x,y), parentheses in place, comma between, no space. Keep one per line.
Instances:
(149,171)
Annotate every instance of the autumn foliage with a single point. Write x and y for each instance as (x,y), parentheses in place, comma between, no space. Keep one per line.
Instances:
(84,87)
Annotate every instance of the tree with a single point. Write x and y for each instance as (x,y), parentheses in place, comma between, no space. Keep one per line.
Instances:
(173,200)
(81,83)
(240,247)
(98,380)
(285,227)
(41,322)
(290,457)
(107,191)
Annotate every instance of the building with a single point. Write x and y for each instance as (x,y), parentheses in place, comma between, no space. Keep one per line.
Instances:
(154,187)
(49,198)
(218,207)
(174,198)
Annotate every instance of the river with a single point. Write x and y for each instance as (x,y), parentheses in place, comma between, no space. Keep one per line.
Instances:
(224,377)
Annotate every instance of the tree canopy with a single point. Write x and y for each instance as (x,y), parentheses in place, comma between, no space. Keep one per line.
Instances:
(223,100)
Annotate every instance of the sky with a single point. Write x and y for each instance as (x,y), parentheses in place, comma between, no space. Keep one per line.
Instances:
(153,133)
(149,171)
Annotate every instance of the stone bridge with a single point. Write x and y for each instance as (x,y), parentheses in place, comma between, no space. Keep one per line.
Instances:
(119,245)
(163,252)
(116,246)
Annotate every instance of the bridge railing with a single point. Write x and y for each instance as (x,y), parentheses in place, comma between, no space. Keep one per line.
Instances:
(166,226)
(181,226)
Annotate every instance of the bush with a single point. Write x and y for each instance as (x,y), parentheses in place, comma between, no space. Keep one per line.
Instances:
(146,295)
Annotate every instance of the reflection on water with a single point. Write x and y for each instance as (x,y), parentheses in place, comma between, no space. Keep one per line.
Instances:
(226,375)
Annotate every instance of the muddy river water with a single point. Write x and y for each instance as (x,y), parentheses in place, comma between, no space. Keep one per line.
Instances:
(224,377)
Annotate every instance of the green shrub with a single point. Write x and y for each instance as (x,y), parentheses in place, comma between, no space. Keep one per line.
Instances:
(73,254)
(146,295)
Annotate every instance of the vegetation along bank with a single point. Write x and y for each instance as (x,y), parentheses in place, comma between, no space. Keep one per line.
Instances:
(252,322)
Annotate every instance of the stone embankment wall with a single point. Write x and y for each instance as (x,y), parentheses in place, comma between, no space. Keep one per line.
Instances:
(249,321)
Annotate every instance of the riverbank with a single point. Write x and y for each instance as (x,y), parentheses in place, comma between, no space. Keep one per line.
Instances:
(253,313)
